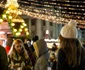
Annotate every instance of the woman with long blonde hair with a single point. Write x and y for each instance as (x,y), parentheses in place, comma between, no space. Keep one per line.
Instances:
(18,57)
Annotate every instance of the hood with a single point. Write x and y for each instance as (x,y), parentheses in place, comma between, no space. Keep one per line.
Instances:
(40,47)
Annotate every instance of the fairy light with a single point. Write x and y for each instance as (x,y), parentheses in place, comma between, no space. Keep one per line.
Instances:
(53,11)
(26,29)
(4,16)
(15,30)
(54,19)
(20,30)
(22,26)
(18,33)
(41,16)
(7,12)
(12,24)
(12,3)
(1,20)
(10,17)
(49,13)
(27,33)
(17,20)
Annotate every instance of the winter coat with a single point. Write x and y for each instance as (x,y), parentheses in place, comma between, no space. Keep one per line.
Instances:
(42,55)
(19,61)
(3,59)
(63,65)
(31,54)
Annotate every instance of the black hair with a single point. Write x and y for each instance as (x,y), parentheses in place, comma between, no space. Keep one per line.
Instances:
(35,38)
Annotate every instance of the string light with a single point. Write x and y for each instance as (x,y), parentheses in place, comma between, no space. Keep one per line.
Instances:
(20,30)
(54,19)
(26,29)
(1,20)
(18,34)
(12,24)
(4,16)
(27,33)
(54,11)
(10,17)
(15,30)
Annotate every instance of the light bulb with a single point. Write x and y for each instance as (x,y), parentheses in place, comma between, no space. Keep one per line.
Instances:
(26,29)
(15,30)
(22,26)
(18,33)
(12,24)
(4,16)
(27,33)
(1,20)
(20,30)
(10,17)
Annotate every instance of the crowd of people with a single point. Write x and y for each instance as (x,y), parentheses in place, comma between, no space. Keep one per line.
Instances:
(22,55)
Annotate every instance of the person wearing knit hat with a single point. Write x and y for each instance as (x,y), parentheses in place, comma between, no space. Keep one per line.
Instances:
(69,30)
(70,55)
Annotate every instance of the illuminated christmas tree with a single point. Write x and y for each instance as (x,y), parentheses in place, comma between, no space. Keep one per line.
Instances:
(12,16)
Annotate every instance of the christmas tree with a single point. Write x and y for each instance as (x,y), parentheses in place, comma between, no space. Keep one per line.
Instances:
(11,15)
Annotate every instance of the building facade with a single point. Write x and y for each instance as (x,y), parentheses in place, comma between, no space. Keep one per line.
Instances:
(46,29)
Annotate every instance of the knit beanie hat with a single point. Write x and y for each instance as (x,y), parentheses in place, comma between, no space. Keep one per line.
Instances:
(69,30)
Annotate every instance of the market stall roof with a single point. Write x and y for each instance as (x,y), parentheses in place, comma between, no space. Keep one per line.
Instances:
(4,27)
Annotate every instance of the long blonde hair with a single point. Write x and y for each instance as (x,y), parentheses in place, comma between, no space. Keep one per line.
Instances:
(72,49)
(12,50)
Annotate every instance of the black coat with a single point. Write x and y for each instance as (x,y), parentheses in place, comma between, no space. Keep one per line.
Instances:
(63,65)
(3,59)
(30,53)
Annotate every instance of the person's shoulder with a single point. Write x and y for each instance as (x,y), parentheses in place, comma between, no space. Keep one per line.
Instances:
(83,52)
(2,48)
(61,52)
(83,49)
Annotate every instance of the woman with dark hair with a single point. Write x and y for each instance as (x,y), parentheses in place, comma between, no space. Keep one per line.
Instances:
(70,54)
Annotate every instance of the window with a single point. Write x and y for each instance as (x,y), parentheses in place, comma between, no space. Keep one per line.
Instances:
(43,22)
(33,21)
(51,33)
(51,24)
(82,32)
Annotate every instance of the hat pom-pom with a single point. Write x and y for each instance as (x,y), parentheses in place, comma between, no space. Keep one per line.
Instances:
(72,23)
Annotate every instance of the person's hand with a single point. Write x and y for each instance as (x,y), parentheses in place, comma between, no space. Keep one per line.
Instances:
(10,66)
(16,66)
